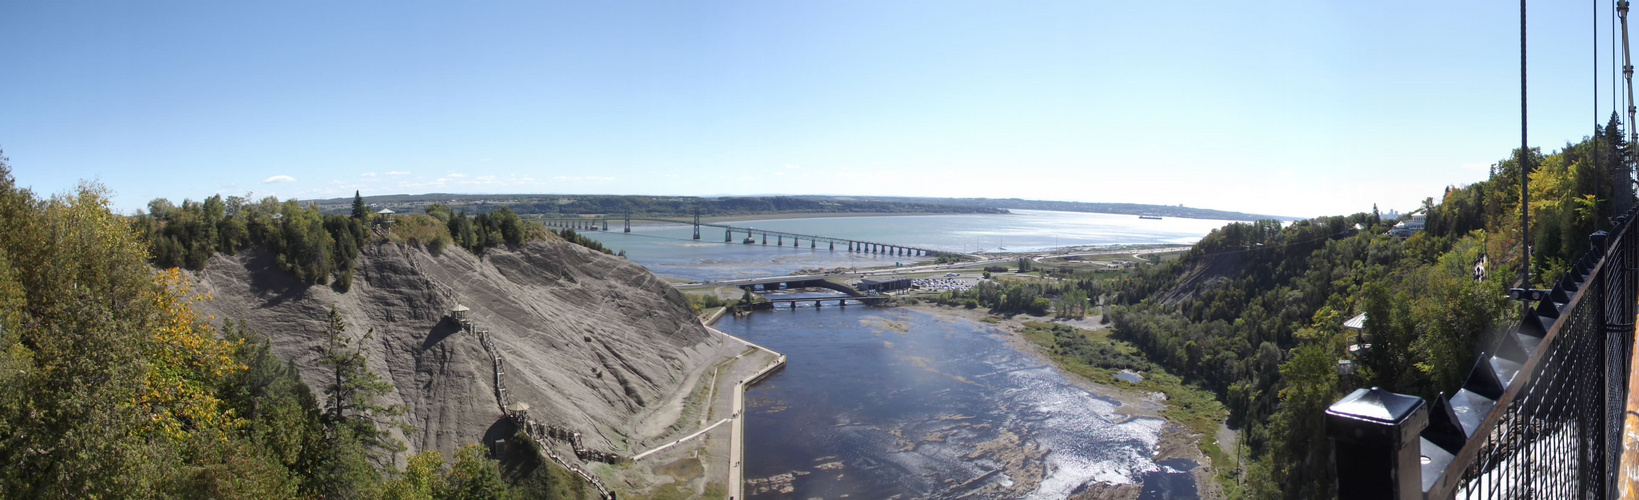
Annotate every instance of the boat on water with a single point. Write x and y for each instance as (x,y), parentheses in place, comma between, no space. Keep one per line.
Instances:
(1151,217)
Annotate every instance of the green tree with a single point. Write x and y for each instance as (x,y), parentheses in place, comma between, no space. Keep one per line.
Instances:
(352,389)
(284,417)
(106,371)
(473,477)
(421,480)
(441,212)
(351,423)
(361,212)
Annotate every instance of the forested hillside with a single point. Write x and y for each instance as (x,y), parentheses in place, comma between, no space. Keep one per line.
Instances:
(114,385)
(1255,311)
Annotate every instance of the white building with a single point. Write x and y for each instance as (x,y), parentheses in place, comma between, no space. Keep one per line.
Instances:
(1410,227)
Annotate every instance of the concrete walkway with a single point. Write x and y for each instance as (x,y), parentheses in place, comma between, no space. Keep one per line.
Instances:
(736,440)
(680,441)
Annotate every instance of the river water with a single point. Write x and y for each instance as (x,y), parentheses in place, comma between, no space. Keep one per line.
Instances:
(897,403)
(670,250)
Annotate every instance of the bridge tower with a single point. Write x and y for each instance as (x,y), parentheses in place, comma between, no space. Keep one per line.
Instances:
(728,236)
(765,238)
(628,222)
(697,223)
(606,225)
(779,240)
(833,246)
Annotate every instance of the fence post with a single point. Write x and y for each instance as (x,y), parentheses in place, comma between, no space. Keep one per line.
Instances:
(1376,445)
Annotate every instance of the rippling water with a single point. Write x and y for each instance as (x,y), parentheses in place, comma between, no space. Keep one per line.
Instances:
(877,403)
(670,250)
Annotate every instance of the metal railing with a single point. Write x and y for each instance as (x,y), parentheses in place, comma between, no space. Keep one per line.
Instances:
(1540,415)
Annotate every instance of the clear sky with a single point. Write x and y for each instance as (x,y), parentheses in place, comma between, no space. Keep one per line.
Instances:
(1293,108)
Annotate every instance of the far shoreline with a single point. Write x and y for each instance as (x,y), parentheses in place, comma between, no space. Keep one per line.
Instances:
(823,215)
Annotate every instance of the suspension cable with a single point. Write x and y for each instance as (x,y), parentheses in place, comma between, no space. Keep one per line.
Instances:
(1524,161)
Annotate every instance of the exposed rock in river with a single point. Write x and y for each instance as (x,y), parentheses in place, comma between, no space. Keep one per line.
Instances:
(593,343)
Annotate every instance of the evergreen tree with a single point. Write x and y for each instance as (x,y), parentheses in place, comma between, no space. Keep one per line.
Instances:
(353,389)
(350,420)
(360,212)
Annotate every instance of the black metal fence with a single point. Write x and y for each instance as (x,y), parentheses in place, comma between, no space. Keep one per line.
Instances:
(1540,415)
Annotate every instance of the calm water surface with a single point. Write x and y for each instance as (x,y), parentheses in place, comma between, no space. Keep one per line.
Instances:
(879,403)
(669,250)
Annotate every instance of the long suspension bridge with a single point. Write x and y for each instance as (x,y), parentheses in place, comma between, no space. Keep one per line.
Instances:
(752,235)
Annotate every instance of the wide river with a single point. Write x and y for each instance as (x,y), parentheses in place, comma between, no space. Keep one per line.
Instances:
(896,403)
(670,250)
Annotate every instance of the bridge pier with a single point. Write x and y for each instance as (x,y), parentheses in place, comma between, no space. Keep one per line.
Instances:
(833,246)
(812,244)
(779,240)
(765,238)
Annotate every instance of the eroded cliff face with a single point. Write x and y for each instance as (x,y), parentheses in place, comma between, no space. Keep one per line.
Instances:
(592,343)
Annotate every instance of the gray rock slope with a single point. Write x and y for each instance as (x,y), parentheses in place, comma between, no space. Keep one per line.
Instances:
(593,343)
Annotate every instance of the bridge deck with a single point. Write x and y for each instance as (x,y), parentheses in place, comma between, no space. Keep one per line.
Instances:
(864,246)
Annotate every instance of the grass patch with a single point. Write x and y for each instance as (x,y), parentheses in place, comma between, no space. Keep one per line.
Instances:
(669,491)
(696,404)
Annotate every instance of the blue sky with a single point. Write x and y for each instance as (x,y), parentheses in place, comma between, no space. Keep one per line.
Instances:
(1292,108)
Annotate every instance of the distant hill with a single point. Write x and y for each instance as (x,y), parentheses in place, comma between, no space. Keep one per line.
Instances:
(671,206)
(1074,206)
(676,206)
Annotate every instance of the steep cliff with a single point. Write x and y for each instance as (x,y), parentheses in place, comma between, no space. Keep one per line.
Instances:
(593,343)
